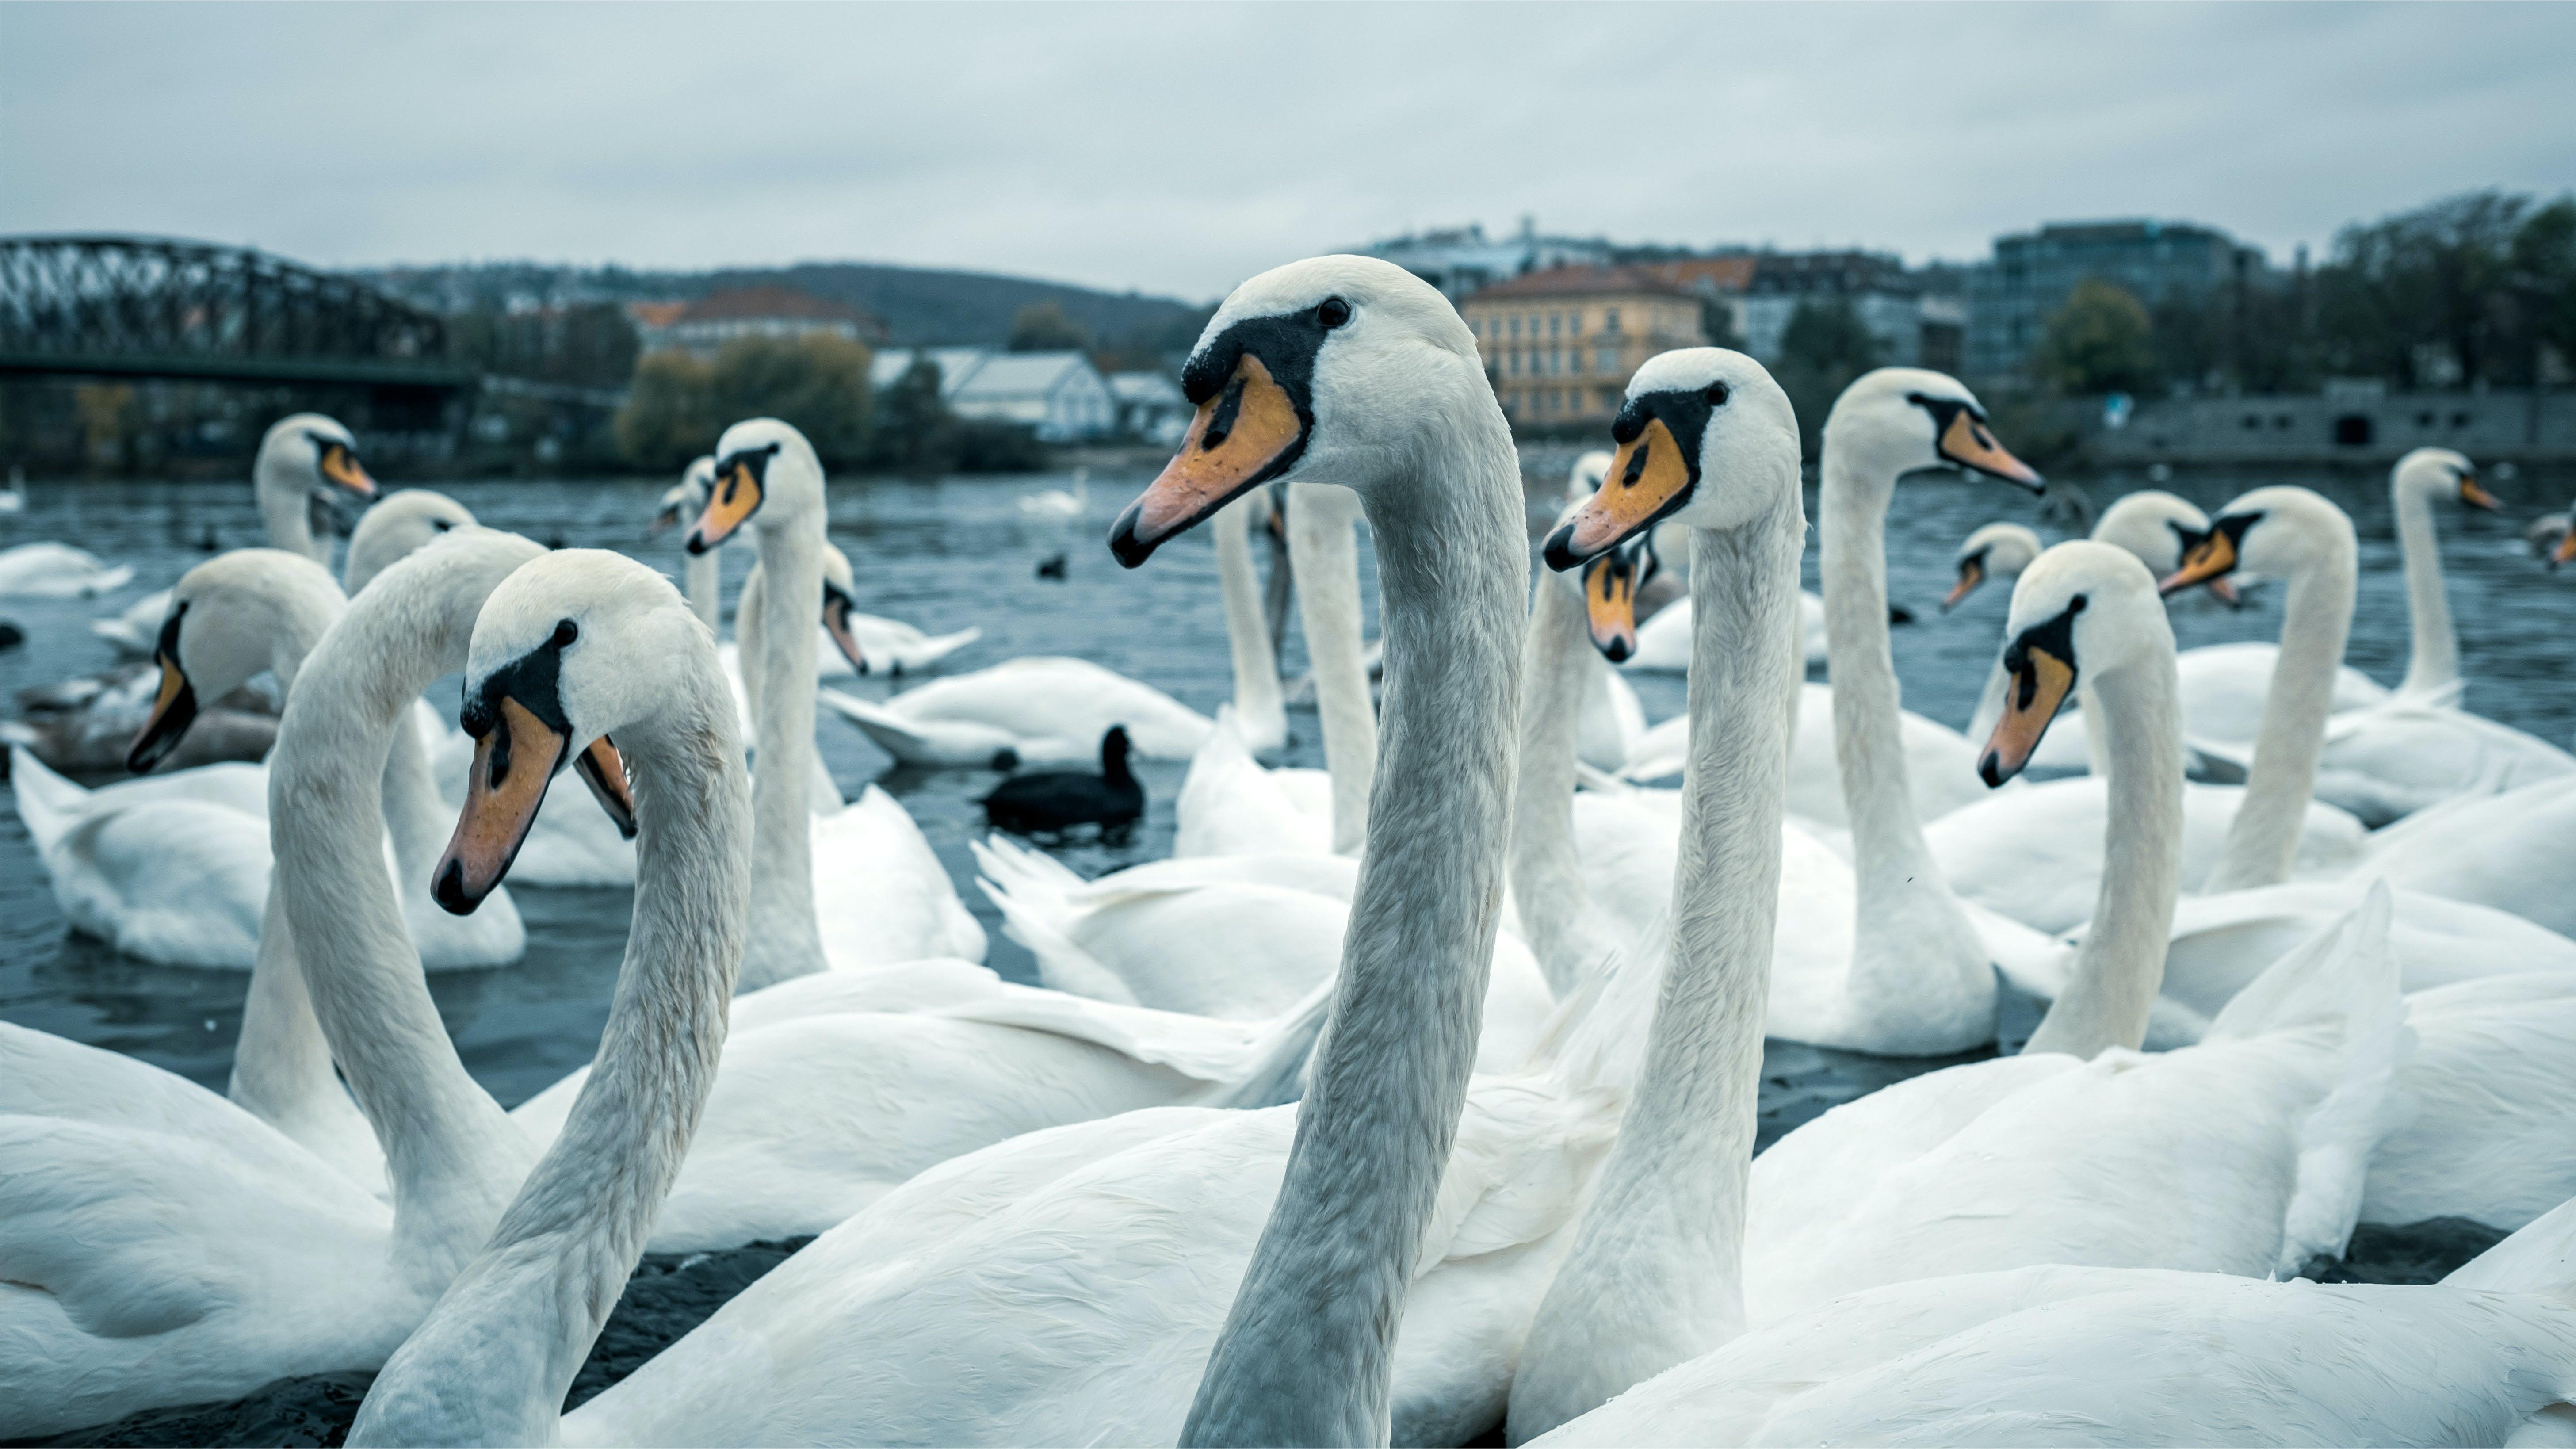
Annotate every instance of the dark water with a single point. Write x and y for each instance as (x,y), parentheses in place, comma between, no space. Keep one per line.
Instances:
(945,555)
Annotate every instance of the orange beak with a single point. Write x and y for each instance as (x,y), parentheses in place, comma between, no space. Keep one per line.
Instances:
(340,467)
(734,499)
(1968,443)
(1648,479)
(1243,437)
(1972,572)
(2038,688)
(514,762)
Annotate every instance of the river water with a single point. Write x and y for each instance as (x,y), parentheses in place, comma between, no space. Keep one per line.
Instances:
(954,553)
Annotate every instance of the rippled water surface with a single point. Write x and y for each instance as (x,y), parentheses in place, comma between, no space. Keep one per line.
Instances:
(948,554)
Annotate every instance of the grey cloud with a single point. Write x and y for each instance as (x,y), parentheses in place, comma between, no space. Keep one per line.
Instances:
(1178,149)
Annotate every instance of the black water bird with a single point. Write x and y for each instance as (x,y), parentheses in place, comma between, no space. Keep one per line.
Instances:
(1052,567)
(1050,802)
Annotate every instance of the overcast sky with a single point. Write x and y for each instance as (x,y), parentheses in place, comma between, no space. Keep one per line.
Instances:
(1179,149)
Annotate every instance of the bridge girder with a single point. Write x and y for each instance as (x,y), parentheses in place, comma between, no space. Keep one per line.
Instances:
(123,306)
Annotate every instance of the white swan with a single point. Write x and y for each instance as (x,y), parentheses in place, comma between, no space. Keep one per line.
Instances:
(2047,1356)
(1919,978)
(306,464)
(57,571)
(2433,663)
(1866,1193)
(176,870)
(1058,502)
(167,1247)
(577,645)
(701,574)
(2550,538)
(2410,751)
(1033,710)
(2223,685)
(895,902)
(1085,1272)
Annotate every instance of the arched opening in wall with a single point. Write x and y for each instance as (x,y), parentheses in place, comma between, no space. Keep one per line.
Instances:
(2352,430)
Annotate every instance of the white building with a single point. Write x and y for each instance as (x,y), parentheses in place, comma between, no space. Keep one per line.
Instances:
(1151,406)
(707,324)
(1059,396)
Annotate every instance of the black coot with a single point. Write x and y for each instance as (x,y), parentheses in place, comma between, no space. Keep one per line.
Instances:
(1050,802)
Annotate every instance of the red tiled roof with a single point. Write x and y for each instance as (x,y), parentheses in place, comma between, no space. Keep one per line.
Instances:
(655,314)
(1578,281)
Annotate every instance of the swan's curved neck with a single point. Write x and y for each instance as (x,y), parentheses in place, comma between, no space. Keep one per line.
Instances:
(2263,840)
(2138,722)
(285,506)
(1674,1189)
(493,1361)
(1323,552)
(702,580)
(2434,664)
(1912,944)
(1570,935)
(1258,711)
(1307,1354)
(281,1062)
(452,1156)
(785,941)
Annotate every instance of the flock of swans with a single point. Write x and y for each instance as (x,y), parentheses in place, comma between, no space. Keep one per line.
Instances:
(1412,1100)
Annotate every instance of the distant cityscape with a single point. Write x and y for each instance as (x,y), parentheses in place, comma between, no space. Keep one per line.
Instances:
(2474,295)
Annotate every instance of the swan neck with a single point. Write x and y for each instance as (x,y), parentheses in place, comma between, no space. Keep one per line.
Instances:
(2433,664)
(519,1320)
(284,506)
(785,939)
(1887,839)
(1323,553)
(1307,1352)
(702,577)
(2263,840)
(281,1062)
(452,1156)
(2117,971)
(418,816)
(1921,979)
(1675,1186)
(1258,710)
(1566,931)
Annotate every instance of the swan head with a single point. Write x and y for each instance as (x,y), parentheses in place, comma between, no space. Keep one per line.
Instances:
(2276,532)
(762,464)
(685,500)
(2440,471)
(1610,584)
(1705,437)
(2160,527)
(1996,551)
(1896,420)
(839,589)
(393,529)
(2082,607)
(576,644)
(316,452)
(1319,371)
(227,618)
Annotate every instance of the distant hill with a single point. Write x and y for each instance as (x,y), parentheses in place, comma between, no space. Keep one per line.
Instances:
(920,305)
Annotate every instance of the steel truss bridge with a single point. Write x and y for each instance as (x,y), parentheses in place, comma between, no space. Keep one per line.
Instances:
(143,307)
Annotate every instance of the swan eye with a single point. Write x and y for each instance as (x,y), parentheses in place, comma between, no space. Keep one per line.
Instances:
(565,632)
(2075,605)
(1716,393)
(1333,312)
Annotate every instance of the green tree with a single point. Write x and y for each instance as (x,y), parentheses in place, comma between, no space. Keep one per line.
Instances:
(1718,320)
(669,415)
(818,382)
(1822,350)
(2100,341)
(2544,277)
(1045,327)
(912,424)
(2436,276)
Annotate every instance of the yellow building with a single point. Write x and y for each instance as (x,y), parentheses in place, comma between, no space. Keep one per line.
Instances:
(1560,345)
